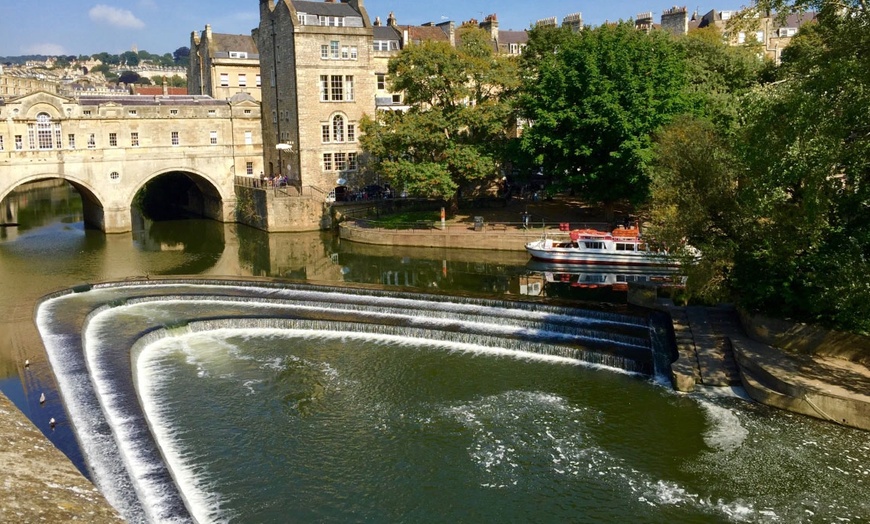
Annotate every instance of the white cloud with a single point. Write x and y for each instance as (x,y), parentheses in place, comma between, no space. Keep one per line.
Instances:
(114,16)
(44,49)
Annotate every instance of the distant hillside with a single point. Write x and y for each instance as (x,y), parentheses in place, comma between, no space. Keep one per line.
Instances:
(21,59)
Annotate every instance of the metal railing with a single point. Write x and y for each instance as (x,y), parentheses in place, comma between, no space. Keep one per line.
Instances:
(279,190)
(485,226)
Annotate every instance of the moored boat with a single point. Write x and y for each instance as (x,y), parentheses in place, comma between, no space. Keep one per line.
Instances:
(622,246)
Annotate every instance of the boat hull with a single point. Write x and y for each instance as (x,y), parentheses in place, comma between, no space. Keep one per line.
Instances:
(567,255)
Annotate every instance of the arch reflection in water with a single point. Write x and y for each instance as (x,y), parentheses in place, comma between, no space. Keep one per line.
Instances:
(113,429)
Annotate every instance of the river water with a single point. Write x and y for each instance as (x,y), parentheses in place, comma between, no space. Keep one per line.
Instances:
(350,404)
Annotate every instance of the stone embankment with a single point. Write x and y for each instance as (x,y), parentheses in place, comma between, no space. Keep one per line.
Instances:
(39,483)
(715,350)
(490,236)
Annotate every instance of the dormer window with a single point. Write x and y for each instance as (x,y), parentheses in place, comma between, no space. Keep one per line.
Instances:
(238,54)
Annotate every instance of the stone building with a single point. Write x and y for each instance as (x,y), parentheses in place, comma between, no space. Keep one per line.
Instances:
(318,82)
(769,32)
(14,84)
(675,20)
(644,22)
(222,65)
(506,42)
(108,147)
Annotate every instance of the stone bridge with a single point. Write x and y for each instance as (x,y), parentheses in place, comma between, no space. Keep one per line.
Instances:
(109,148)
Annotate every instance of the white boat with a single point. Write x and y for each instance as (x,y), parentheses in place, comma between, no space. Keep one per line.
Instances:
(622,246)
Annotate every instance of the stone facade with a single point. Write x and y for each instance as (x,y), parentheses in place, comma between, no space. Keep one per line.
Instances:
(675,20)
(318,83)
(109,147)
(222,65)
(14,85)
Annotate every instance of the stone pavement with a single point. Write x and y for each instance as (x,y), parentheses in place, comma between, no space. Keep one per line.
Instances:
(714,350)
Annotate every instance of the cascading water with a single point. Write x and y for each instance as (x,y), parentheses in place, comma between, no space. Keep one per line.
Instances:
(113,429)
(220,401)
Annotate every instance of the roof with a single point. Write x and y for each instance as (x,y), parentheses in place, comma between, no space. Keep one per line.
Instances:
(243,43)
(513,37)
(143,100)
(386,33)
(325,8)
(425,33)
(158,90)
(795,20)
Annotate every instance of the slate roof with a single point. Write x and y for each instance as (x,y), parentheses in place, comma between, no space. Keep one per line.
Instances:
(795,20)
(513,37)
(386,33)
(325,8)
(243,43)
(423,33)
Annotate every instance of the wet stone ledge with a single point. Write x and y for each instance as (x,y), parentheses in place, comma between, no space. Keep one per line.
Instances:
(39,483)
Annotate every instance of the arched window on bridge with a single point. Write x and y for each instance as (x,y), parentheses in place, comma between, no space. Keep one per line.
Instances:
(45,133)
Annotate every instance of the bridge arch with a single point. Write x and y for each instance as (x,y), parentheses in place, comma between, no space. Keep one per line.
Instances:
(92,202)
(209,199)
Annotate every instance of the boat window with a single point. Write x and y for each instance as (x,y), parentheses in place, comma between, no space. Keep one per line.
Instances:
(620,246)
(594,245)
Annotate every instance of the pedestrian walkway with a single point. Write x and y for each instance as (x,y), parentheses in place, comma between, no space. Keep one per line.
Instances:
(714,350)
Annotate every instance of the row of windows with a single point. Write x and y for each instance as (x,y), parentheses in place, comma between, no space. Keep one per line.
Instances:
(242,80)
(39,138)
(336,88)
(335,51)
(385,45)
(330,21)
(173,112)
(339,162)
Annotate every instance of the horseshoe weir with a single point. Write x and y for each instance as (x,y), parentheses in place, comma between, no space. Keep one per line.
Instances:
(230,400)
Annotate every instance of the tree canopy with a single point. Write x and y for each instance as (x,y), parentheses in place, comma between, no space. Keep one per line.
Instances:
(593,99)
(785,228)
(457,117)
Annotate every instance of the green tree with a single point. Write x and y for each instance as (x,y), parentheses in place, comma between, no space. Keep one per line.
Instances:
(452,133)
(719,75)
(696,204)
(129,77)
(780,207)
(594,103)
(181,56)
(806,144)
(129,58)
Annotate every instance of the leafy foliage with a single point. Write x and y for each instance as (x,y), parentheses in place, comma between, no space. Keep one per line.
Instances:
(780,205)
(696,203)
(594,99)
(453,130)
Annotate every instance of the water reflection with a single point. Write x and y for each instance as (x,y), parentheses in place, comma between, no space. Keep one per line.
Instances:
(50,249)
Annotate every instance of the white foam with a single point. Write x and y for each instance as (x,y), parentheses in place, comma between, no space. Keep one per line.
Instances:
(103,459)
(201,500)
(139,465)
(725,432)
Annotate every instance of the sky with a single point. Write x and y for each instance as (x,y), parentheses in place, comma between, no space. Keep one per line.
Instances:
(85,27)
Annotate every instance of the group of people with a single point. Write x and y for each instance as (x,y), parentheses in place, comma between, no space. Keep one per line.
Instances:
(273,181)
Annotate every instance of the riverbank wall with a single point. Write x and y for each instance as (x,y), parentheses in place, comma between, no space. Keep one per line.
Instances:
(493,237)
